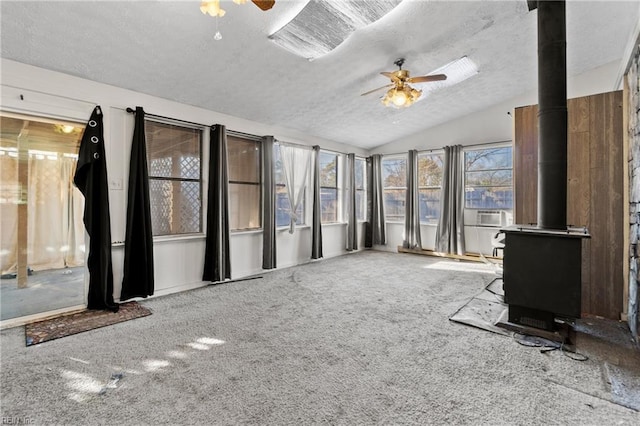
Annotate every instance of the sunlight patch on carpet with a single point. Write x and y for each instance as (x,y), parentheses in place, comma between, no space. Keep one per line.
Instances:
(210,341)
(152,365)
(80,382)
(177,355)
(462,267)
(198,346)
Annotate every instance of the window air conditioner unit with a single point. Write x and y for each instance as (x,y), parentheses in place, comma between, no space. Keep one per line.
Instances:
(489,218)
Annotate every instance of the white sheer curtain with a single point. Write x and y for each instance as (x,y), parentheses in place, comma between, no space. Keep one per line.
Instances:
(55,232)
(9,198)
(72,204)
(295,166)
(45,213)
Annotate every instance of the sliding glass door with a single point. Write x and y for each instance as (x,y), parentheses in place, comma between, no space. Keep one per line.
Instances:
(41,230)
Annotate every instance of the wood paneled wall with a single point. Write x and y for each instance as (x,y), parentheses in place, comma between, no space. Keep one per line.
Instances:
(594,191)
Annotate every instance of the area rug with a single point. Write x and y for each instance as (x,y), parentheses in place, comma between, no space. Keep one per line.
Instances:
(67,325)
(484,310)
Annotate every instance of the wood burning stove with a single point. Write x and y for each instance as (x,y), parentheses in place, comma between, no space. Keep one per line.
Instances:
(542,275)
(543,265)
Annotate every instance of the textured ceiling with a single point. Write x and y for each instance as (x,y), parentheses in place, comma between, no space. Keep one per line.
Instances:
(167,49)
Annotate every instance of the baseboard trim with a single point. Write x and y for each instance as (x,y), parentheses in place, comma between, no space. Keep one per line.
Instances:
(472,257)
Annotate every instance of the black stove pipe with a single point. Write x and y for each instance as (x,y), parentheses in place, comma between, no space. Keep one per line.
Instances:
(552,115)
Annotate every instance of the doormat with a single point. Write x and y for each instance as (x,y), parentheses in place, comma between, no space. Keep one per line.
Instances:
(485,309)
(67,325)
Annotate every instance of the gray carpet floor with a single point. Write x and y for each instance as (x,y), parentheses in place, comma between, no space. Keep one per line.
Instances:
(359,339)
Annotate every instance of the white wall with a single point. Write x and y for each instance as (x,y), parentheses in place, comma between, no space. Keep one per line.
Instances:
(178,261)
(488,126)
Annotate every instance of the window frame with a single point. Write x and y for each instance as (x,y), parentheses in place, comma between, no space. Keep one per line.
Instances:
(200,180)
(259,184)
(336,188)
(394,188)
(362,190)
(431,153)
(486,147)
(302,217)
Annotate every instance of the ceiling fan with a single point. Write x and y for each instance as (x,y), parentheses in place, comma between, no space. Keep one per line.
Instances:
(264,5)
(212,7)
(401,93)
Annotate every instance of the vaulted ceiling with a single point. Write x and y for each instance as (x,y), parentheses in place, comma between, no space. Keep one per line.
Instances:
(167,49)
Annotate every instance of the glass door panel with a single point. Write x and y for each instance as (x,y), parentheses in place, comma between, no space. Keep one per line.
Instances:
(41,230)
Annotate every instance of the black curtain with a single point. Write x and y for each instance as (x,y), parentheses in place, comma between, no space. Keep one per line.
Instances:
(217,263)
(376,232)
(268,205)
(352,220)
(316,226)
(138,278)
(91,179)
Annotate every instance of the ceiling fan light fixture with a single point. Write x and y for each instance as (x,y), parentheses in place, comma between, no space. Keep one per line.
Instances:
(401,97)
(212,8)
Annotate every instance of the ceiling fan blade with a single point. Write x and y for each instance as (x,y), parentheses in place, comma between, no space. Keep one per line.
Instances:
(264,4)
(375,90)
(390,75)
(426,78)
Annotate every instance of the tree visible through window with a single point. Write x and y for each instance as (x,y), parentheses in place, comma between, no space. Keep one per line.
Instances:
(429,186)
(175,178)
(394,181)
(488,178)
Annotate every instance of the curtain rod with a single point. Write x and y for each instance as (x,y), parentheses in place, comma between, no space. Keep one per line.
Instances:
(244,135)
(232,132)
(295,145)
(133,111)
(486,143)
(311,147)
(229,132)
(441,149)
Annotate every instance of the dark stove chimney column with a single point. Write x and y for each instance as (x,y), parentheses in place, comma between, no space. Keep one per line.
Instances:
(552,115)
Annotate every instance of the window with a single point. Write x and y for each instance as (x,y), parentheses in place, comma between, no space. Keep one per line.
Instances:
(282,199)
(429,186)
(361,189)
(488,174)
(394,182)
(245,183)
(175,178)
(329,187)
